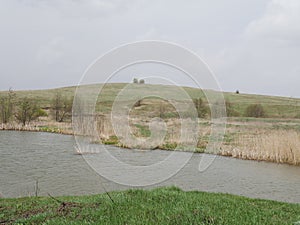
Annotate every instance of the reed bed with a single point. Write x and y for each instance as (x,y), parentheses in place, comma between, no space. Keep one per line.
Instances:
(280,146)
(40,126)
(242,140)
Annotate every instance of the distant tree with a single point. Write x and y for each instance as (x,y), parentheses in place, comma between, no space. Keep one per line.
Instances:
(135,80)
(28,111)
(237,91)
(61,107)
(201,107)
(255,110)
(142,81)
(7,103)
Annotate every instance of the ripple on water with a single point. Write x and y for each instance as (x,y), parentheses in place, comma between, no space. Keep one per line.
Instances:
(51,159)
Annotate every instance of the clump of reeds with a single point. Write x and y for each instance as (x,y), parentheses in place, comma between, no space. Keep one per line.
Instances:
(280,146)
(42,126)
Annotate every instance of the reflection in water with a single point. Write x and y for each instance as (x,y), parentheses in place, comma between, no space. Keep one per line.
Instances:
(52,160)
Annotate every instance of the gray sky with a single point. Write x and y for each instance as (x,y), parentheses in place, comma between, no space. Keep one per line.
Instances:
(251,45)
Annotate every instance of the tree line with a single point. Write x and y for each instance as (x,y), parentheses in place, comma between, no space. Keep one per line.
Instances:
(252,110)
(24,109)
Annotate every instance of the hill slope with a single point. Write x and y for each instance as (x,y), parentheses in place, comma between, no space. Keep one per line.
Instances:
(275,107)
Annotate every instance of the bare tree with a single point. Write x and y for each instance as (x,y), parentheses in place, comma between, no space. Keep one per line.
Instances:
(7,103)
(61,107)
(27,111)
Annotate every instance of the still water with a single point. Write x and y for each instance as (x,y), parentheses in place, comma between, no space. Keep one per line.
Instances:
(51,160)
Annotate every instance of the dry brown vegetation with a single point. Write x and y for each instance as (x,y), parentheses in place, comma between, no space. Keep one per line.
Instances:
(280,146)
(40,126)
(274,140)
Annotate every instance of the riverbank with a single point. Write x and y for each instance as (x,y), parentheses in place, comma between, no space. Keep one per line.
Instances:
(40,126)
(158,206)
(271,140)
(275,137)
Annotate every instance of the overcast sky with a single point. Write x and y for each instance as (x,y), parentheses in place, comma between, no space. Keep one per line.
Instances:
(251,45)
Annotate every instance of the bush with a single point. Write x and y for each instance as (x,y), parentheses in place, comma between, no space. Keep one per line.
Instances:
(255,110)
(168,146)
(201,108)
(112,140)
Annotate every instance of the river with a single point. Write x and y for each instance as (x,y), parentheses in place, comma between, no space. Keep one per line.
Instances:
(49,162)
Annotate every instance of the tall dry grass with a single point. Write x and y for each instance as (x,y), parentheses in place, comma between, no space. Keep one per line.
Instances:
(280,146)
(44,126)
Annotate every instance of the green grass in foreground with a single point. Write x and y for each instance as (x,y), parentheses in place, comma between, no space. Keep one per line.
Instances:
(158,206)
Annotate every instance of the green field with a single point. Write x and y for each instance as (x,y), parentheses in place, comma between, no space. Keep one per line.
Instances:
(275,107)
(158,206)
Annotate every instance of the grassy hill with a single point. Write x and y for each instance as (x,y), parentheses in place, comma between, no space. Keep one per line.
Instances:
(275,107)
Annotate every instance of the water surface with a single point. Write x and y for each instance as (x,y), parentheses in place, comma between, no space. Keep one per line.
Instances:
(50,159)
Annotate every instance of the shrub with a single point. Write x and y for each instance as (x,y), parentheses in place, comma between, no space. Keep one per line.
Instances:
(255,110)
(168,146)
(201,108)
(112,140)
